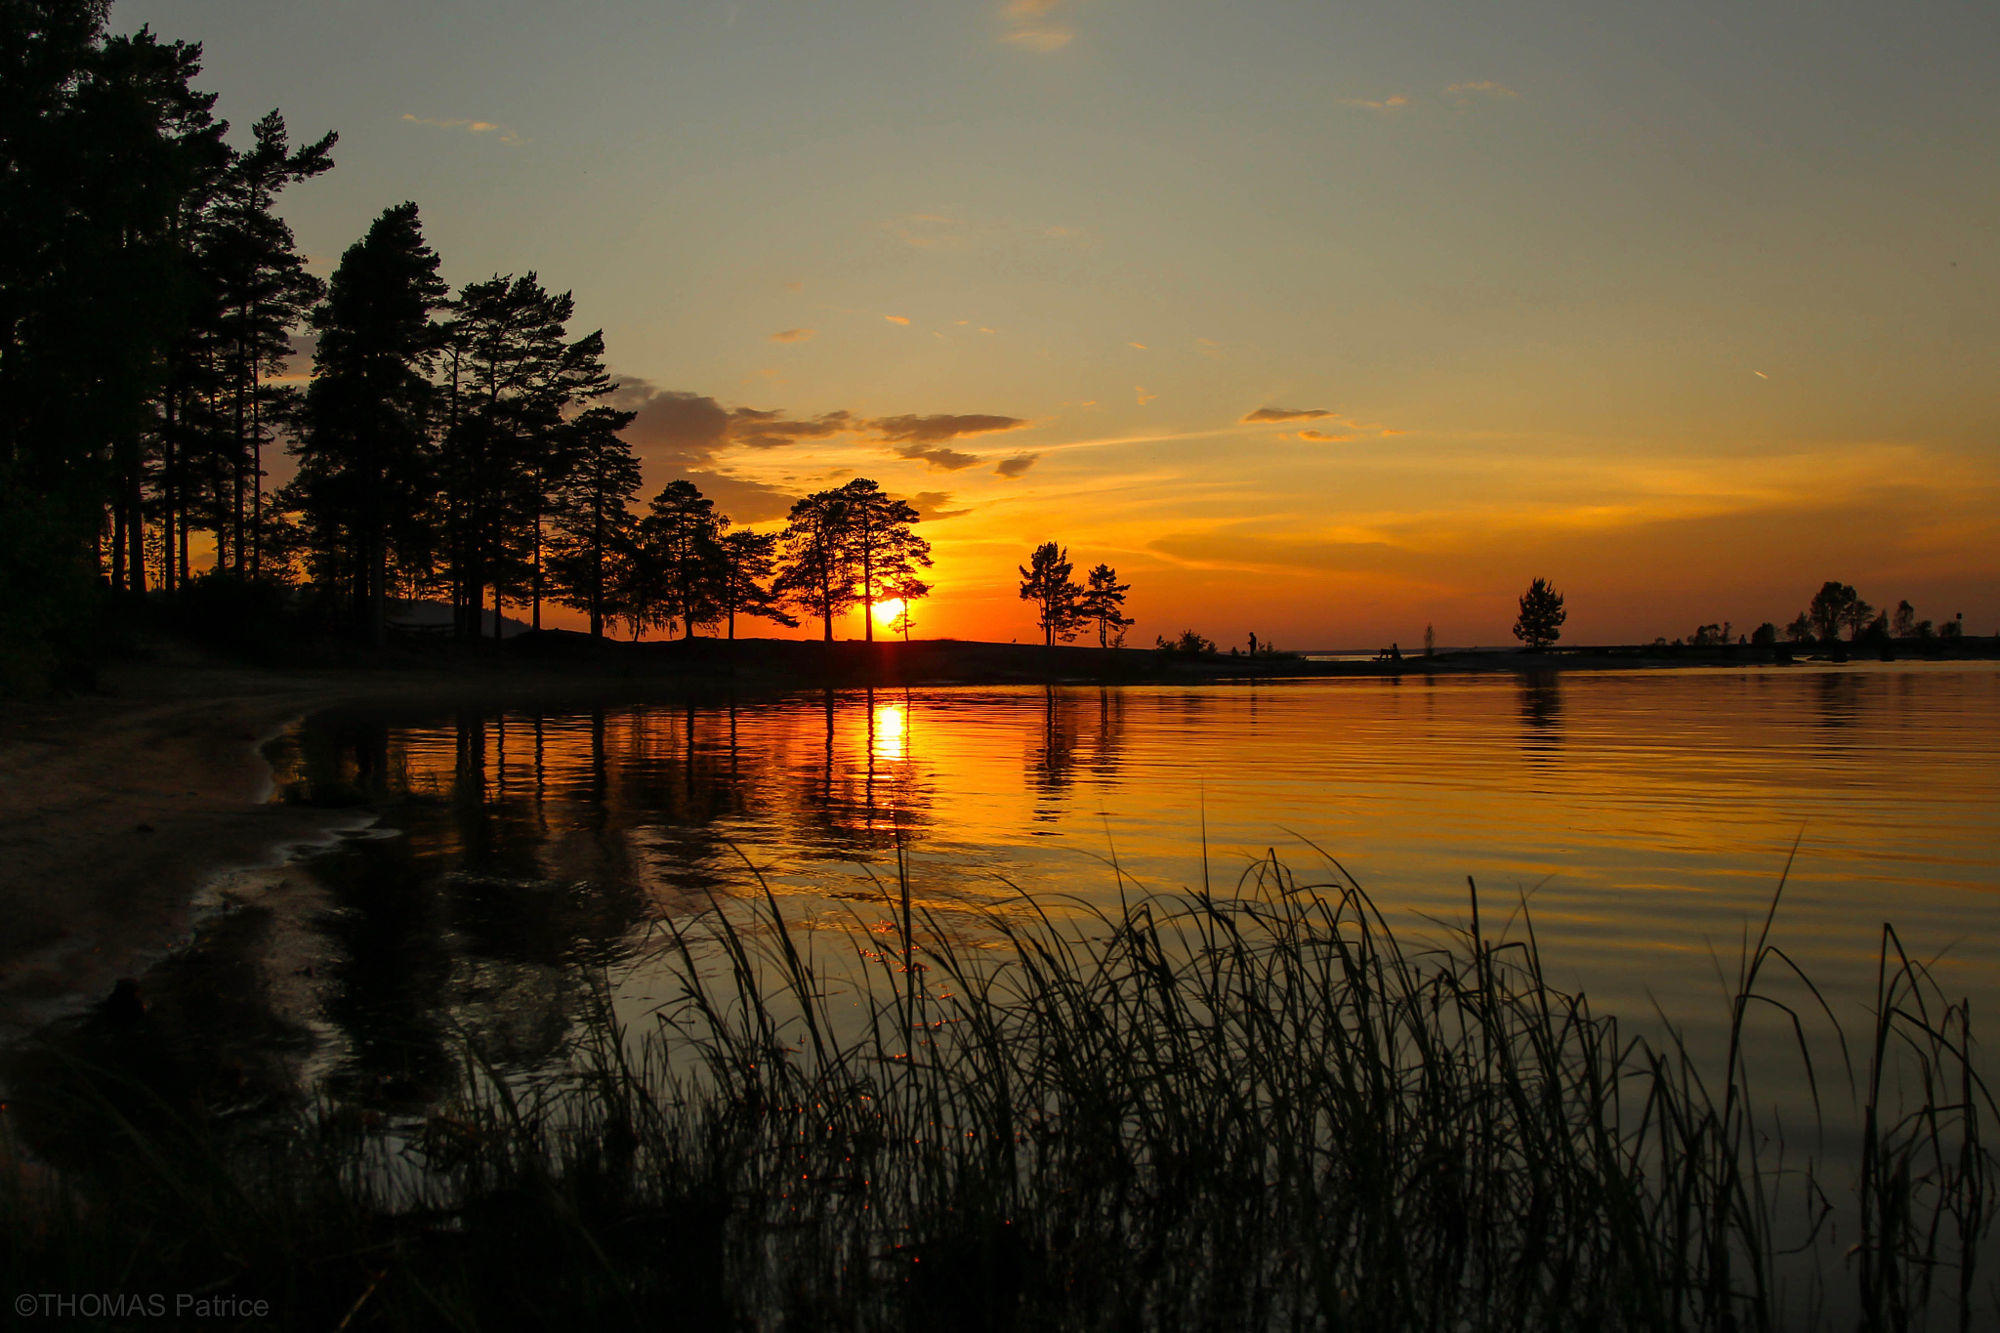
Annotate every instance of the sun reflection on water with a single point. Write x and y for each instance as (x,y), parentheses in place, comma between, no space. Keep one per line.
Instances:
(889,733)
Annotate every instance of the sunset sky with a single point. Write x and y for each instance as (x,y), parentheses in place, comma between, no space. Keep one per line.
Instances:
(1319,320)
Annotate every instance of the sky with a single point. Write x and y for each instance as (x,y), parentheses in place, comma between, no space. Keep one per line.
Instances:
(1323,321)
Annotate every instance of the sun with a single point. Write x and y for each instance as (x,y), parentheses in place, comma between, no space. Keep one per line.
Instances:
(888,609)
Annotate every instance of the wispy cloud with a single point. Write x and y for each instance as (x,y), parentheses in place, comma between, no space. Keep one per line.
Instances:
(793,335)
(897,319)
(743,499)
(1481,87)
(1264,414)
(1015,466)
(686,431)
(939,456)
(1036,25)
(1139,392)
(507,136)
(773,430)
(1322,437)
(926,438)
(935,504)
(1393,103)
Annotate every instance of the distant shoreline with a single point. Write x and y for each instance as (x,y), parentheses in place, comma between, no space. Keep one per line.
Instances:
(842,663)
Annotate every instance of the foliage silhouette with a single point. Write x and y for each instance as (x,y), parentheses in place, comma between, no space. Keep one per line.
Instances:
(1103,602)
(1838,606)
(881,545)
(365,458)
(1046,581)
(1542,615)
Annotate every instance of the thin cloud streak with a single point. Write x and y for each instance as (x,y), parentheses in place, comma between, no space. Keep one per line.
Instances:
(507,136)
(1394,103)
(1269,414)
(1036,25)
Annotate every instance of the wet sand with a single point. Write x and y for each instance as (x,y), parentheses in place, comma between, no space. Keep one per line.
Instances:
(115,809)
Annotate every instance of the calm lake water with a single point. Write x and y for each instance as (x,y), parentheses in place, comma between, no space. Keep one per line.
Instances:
(1645,817)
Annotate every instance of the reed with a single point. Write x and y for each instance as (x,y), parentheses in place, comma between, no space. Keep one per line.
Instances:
(1247,1107)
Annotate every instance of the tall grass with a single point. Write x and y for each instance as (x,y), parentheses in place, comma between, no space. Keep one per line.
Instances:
(1240,1108)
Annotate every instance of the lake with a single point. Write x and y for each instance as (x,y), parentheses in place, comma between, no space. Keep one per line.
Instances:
(1643,818)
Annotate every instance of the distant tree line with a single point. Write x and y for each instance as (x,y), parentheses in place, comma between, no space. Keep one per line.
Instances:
(459,445)
(1835,610)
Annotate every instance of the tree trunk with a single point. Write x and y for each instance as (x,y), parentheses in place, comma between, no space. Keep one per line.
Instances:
(867,596)
(236,478)
(118,547)
(535,578)
(135,529)
(256,482)
(169,474)
(378,580)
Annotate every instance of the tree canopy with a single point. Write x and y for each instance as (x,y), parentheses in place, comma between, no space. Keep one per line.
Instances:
(1542,615)
(1046,581)
(1102,602)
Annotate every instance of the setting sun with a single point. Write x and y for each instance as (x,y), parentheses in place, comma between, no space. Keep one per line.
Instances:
(888,609)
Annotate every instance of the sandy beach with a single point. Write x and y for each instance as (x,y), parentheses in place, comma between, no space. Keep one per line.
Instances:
(116,807)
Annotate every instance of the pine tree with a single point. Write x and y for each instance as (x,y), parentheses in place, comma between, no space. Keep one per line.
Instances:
(365,466)
(817,567)
(103,142)
(679,542)
(592,514)
(1046,581)
(1542,615)
(880,544)
(511,378)
(262,291)
(1103,601)
(909,590)
(746,561)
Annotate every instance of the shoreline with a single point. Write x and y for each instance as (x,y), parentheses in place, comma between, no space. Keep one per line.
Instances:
(124,811)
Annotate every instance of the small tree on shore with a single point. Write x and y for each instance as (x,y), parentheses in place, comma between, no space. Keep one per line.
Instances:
(1191,643)
(1542,615)
(1836,606)
(909,590)
(1104,602)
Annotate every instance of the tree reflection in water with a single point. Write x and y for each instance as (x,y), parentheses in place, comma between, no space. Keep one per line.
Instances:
(1080,730)
(1541,714)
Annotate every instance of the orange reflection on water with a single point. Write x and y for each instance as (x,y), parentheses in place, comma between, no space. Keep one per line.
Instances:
(1648,816)
(888,733)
